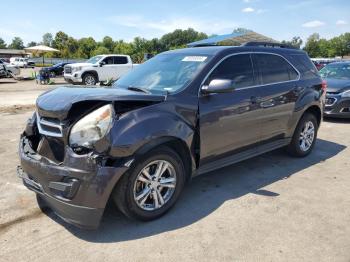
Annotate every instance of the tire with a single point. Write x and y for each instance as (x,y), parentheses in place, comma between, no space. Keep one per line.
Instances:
(52,74)
(130,187)
(89,79)
(296,148)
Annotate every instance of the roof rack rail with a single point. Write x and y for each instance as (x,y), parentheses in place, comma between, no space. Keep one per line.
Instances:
(268,44)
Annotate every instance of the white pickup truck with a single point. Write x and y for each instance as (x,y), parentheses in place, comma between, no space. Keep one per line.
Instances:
(100,68)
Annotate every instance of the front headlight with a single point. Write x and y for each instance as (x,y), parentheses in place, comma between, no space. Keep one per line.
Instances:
(92,127)
(345,94)
(76,69)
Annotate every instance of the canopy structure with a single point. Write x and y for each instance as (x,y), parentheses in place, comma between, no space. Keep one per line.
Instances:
(40,49)
(233,39)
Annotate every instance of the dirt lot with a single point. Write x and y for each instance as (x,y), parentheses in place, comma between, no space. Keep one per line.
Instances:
(270,208)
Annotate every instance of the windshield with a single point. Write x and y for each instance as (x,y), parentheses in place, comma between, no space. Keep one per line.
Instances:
(336,71)
(94,59)
(164,73)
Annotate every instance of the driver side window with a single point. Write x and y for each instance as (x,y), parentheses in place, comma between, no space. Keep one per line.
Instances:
(108,60)
(237,68)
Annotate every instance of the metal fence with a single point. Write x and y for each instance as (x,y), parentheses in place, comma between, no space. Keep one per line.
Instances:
(39,60)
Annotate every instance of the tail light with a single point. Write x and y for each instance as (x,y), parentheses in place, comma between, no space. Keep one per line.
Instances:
(324,85)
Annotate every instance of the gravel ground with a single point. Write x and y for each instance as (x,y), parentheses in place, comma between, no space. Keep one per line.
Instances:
(270,208)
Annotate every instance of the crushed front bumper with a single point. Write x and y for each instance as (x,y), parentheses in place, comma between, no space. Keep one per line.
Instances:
(77,189)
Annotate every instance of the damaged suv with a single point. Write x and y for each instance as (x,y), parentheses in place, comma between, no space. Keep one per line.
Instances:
(182,113)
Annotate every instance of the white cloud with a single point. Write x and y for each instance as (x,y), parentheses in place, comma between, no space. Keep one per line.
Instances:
(167,25)
(248,10)
(341,22)
(314,23)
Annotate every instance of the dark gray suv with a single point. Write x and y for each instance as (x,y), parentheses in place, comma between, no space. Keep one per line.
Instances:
(182,113)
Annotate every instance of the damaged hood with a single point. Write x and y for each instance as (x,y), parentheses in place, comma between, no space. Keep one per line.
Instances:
(56,103)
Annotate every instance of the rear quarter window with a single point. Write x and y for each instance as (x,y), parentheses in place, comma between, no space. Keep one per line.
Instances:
(273,69)
(303,63)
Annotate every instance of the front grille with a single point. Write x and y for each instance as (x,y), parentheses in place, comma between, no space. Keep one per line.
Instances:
(330,101)
(67,69)
(49,126)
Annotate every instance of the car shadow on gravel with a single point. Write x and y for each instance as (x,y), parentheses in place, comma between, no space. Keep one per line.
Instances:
(207,193)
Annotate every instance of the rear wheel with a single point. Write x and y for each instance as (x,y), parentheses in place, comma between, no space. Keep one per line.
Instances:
(89,79)
(304,137)
(152,186)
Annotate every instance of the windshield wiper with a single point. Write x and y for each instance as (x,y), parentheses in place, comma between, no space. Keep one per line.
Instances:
(138,89)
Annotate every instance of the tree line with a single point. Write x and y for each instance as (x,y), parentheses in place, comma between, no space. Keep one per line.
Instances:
(87,47)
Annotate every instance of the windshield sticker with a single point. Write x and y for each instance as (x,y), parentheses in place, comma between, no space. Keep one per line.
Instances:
(194,58)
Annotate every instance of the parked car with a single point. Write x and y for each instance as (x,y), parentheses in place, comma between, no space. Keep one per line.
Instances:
(182,113)
(11,70)
(5,60)
(337,76)
(57,69)
(19,61)
(99,68)
(30,63)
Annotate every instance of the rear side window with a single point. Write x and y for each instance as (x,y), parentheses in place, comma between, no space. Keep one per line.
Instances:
(237,68)
(305,66)
(273,69)
(120,60)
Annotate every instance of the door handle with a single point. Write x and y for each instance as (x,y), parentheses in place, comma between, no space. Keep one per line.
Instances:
(266,104)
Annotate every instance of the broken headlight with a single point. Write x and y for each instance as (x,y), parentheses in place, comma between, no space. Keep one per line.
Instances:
(91,127)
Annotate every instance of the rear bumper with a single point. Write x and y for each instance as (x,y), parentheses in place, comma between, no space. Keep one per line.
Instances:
(77,190)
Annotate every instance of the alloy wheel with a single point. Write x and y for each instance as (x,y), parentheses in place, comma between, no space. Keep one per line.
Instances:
(155,185)
(90,80)
(307,136)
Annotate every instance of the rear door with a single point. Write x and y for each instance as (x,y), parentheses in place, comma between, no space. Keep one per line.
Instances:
(122,65)
(229,122)
(278,93)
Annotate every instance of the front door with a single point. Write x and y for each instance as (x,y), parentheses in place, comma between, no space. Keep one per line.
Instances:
(229,122)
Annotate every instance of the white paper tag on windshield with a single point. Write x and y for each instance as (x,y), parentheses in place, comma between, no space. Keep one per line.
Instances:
(194,58)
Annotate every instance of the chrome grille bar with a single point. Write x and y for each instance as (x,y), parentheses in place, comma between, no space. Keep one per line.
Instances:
(45,127)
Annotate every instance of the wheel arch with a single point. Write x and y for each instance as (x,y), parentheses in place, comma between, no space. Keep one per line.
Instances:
(92,72)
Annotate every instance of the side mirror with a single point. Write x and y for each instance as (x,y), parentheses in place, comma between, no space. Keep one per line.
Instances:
(102,63)
(218,86)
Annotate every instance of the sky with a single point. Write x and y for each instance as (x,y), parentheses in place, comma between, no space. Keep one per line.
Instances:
(280,20)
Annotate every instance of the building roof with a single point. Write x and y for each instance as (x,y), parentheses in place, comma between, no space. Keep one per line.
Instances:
(233,39)
(12,52)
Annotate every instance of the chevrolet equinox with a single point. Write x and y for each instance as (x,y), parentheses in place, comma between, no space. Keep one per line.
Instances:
(182,113)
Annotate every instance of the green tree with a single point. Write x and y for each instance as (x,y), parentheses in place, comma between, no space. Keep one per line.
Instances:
(295,42)
(312,45)
(47,39)
(86,46)
(2,43)
(17,43)
(60,40)
(122,47)
(108,43)
(101,50)
(32,43)
(179,38)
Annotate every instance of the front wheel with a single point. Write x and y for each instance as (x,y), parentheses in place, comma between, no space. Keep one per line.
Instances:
(152,186)
(89,79)
(304,137)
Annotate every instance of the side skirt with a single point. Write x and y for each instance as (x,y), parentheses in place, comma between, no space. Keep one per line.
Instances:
(235,158)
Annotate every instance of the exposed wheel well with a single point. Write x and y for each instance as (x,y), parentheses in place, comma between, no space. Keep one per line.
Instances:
(316,111)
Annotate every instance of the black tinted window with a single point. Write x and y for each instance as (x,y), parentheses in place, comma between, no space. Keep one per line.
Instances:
(237,68)
(120,60)
(274,69)
(305,66)
(108,60)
